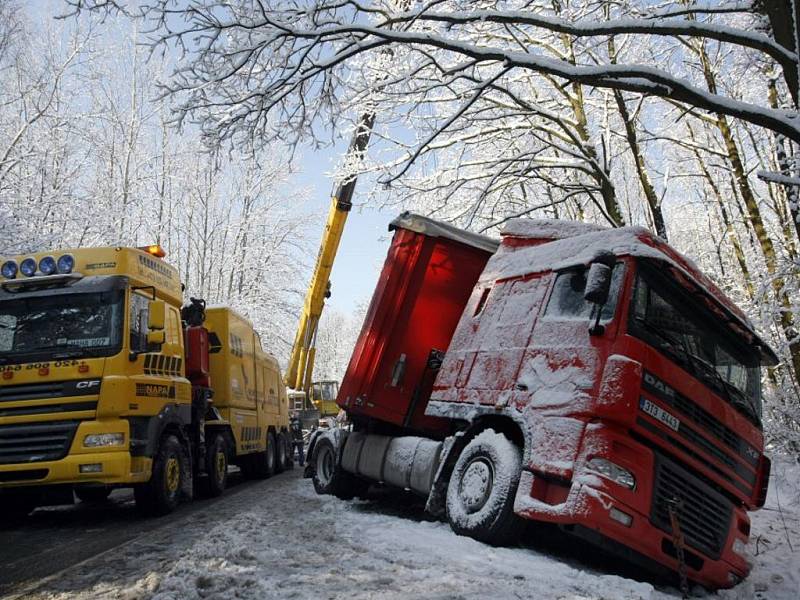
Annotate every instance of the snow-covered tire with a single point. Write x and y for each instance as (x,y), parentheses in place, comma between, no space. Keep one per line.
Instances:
(329,477)
(216,479)
(480,494)
(92,494)
(161,495)
(281,450)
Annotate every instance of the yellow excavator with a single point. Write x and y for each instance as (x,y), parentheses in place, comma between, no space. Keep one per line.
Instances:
(321,395)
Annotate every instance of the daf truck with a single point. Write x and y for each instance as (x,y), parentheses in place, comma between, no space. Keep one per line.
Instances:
(107,381)
(586,377)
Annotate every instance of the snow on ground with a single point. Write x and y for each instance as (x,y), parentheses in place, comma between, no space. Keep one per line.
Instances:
(775,540)
(278,539)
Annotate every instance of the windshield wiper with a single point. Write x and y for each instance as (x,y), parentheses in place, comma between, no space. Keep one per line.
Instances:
(738,398)
(681,352)
(675,347)
(70,354)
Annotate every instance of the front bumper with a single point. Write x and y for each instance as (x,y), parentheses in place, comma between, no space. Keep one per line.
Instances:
(588,500)
(116,466)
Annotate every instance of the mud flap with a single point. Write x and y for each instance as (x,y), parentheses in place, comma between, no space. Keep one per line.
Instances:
(436,504)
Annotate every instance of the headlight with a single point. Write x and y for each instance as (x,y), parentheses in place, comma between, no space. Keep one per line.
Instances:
(96,440)
(612,471)
(9,270)
(28,267)
(47,265)
(66,262)
(740,548)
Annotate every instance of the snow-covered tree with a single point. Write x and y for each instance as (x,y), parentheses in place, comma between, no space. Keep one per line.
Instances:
(88,156)
(681,116)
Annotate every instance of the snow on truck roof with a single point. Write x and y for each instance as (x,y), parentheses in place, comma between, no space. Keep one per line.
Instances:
(550,229)
(433,228)
(575,243)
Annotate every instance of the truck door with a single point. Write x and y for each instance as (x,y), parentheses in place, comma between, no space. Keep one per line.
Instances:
(495,339)
(157,372)
(562,366)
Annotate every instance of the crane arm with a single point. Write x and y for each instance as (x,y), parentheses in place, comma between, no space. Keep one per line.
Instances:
(301,363)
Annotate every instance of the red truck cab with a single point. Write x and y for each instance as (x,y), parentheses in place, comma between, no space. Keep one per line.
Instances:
(634,424)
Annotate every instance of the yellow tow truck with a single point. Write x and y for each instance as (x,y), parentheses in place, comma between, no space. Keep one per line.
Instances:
(106,381)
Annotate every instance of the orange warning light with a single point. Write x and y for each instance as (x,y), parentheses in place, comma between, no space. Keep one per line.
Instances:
(154,250)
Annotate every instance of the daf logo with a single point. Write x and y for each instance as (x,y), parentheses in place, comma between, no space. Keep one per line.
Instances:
(87,385)
(658,384)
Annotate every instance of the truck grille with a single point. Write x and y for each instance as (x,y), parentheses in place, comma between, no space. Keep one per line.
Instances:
(31,397)
(36,442)
(705,517)
(50,389)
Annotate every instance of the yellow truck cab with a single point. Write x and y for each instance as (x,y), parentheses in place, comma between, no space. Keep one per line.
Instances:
(95,391)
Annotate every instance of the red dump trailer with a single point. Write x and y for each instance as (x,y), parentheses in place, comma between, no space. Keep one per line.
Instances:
(588,377)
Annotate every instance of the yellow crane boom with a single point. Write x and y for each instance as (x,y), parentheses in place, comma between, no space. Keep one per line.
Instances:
(301,363)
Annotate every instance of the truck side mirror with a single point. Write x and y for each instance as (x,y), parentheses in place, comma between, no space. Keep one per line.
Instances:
(598,286)
(157,315)
(156,338)
(598,283)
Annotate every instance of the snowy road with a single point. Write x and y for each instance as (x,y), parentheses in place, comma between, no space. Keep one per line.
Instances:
(53,539)
(277,539)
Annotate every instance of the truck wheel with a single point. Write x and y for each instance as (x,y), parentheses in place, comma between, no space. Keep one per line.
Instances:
(162,493)
(330,478)
(281,452)
(289,460)
(216,479)
(480,494)
(92,494)
(262,464)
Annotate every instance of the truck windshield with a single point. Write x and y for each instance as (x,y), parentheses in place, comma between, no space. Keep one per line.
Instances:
(60,326)
(668,319)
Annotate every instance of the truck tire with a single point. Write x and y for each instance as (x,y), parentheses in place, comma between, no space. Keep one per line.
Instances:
(289,464)
(329,478)
(281,453)
(262,464)
(216,479)
(161,495)
(482,487)
(92,494)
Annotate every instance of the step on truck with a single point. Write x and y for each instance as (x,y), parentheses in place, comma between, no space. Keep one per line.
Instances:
(106,381)
(586,377)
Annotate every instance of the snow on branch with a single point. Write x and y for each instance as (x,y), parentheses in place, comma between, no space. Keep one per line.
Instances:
(635,78)
(670,27)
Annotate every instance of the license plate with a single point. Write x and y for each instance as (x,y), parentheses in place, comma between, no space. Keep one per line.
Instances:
(659,413)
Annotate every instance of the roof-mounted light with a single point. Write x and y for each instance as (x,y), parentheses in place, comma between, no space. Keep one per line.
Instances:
(154,250)
(66,262)
(47,265)
(9,269)
(28,267)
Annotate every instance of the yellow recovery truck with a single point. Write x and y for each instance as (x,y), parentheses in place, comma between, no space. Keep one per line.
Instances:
(105,381)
